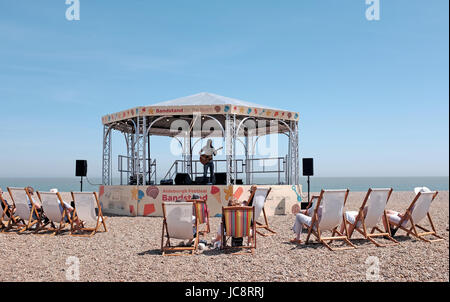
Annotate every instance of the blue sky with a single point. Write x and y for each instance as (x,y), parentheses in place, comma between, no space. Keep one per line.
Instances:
(373,96)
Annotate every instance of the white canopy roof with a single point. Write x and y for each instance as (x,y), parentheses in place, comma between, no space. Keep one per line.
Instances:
(206,99)
(206,104)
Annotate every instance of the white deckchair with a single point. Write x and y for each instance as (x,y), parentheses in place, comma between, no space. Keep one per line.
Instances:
(178,224)
(51,204)
(332,203)
(375,204)
(258,197)
(416,212)
(20,197)
(85,205)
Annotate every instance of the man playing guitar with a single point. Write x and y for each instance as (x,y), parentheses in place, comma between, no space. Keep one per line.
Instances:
(206,158)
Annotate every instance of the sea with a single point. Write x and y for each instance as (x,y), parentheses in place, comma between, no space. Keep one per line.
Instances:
(357,184)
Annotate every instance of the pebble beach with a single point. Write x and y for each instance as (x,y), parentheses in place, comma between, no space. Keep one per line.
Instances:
(130,251)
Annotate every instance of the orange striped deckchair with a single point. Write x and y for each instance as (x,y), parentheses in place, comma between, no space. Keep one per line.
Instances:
(237,223)
(202,214)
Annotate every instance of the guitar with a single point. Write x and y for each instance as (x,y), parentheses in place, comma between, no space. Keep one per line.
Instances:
(204,159)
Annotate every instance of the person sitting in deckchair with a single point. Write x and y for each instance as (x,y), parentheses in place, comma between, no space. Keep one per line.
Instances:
(304,217)
(36,204)
(233,202)
(9,210)
(69,208)
(424,197)
(394,215)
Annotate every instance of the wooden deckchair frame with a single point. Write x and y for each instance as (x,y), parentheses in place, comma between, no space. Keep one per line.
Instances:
(413,230)
(259,225)
(3,209)
(250,245)
(318,233)
(62,222)
(13,221)
(27,225)
(207,229)
(166,247)
(363,229)
(82,229)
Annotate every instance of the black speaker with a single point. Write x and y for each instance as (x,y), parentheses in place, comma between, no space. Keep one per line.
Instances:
(81,168)
(200,180)
(166,182)
(183,179)
(221,178)
(308,169)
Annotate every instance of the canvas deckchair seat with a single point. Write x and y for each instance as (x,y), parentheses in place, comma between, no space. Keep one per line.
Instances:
(85,206)
(201,211)
(21,201)
(51,205)
(328,216)
(259,200)
(180,224)
(376,204)
(238,223)
(332,207)
(202,214)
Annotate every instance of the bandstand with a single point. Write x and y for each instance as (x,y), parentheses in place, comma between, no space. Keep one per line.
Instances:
(189,121)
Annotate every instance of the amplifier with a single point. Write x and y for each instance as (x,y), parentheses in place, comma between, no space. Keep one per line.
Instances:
(166,182)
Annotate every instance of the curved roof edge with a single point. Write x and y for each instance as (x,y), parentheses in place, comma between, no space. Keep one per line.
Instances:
(204,103)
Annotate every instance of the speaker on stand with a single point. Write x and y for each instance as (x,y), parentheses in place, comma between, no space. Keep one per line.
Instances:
(308,170)
(81,170)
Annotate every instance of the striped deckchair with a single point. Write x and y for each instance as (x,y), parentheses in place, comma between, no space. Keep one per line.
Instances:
(202,214)
(237,222)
